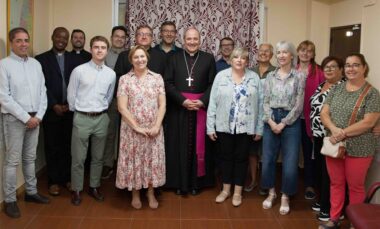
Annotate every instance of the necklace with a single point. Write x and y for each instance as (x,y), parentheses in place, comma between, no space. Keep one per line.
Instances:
(190,73)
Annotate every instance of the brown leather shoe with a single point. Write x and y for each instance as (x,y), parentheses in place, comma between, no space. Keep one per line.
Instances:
(54,190)
(95,193)
(75,198)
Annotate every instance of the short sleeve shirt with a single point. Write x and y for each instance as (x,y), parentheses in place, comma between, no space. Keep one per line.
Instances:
(341,103)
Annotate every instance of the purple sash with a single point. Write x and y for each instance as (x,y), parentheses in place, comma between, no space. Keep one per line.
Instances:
(200,134)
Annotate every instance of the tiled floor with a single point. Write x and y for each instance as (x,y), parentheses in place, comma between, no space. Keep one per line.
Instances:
(174,212)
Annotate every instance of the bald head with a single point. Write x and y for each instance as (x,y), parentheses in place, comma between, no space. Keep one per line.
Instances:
(192,40)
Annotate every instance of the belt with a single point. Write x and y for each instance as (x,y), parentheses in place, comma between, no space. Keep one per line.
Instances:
(32,113)
(92,114)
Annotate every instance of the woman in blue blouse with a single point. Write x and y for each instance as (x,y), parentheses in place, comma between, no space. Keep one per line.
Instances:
(283,104)
(234,117)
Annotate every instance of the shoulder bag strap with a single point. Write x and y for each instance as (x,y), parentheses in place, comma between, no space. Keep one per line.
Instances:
(358,103)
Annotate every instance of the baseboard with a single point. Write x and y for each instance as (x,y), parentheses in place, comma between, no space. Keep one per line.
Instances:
(21,190)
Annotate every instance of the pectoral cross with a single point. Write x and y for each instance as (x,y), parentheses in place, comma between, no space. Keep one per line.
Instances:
(189,80)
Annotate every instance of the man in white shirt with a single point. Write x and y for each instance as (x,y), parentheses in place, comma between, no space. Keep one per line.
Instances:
(89,95)
(23,104)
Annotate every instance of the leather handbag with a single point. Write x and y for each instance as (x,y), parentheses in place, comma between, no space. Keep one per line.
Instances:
(338,150)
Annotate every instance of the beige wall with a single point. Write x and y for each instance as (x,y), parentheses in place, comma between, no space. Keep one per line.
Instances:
(371,42)
(3,28)
(319,29)
(298,20)
(286,20)
(93,17)
(346,12)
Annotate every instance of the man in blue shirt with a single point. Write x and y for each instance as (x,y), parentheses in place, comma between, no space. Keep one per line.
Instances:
(23,104)
(225,48)
(89,95)
(168,34)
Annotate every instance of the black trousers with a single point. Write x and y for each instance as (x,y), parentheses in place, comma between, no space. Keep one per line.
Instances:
(57,139)
(234,153)
(322,176)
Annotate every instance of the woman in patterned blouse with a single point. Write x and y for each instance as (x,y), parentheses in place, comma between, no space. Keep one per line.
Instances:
(360,141)
(283,103)
(234,117)
(333,69)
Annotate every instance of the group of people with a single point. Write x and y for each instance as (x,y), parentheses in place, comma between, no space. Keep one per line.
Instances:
(173,116)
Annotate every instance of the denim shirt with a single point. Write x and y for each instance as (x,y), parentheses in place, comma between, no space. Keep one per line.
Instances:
(222,102)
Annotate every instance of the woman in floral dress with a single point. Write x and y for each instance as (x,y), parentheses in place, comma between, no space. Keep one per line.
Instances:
(141,103)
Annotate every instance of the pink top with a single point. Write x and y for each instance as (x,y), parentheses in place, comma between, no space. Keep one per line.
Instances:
(312,83)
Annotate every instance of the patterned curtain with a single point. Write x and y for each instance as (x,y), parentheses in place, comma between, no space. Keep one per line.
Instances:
(215,19)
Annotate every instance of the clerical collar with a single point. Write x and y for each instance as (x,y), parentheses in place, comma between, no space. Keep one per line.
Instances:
(59,53)
(78,51)
(191,55)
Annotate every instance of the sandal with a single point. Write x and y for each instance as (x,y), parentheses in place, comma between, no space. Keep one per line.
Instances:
(223,195)
(268,202)
(236,200)
(284,208)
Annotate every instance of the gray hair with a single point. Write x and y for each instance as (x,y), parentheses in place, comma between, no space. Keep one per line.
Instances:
(288,46)
(239,51)
(190,28)
(269,45)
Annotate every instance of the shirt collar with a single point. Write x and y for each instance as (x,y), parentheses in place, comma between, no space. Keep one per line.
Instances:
(18,58)
(115,50)
(173,48)
(293,72)
(97,67)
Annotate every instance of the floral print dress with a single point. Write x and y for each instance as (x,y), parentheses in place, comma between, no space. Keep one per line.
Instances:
(141,159)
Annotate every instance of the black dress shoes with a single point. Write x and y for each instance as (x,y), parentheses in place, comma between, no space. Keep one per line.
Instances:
(36,198)
(94,192)
(76,199)
(194,192)
(180,192)
(12,210)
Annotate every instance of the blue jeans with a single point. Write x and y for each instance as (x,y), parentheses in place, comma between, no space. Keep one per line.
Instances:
(288,141)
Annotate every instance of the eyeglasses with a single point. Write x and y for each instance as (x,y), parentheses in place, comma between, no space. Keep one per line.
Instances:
(227,45)
(144,34)
(120,37)
(330,68)
(355,65)
(169,31)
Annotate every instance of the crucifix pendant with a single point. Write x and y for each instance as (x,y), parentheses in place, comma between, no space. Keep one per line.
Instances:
(189,80)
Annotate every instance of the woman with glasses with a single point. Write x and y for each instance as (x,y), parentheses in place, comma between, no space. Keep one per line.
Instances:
(333,70)
(360,141)
(306,64)
(283,102)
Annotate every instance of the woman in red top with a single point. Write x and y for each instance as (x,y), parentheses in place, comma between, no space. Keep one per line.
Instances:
(306,64)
